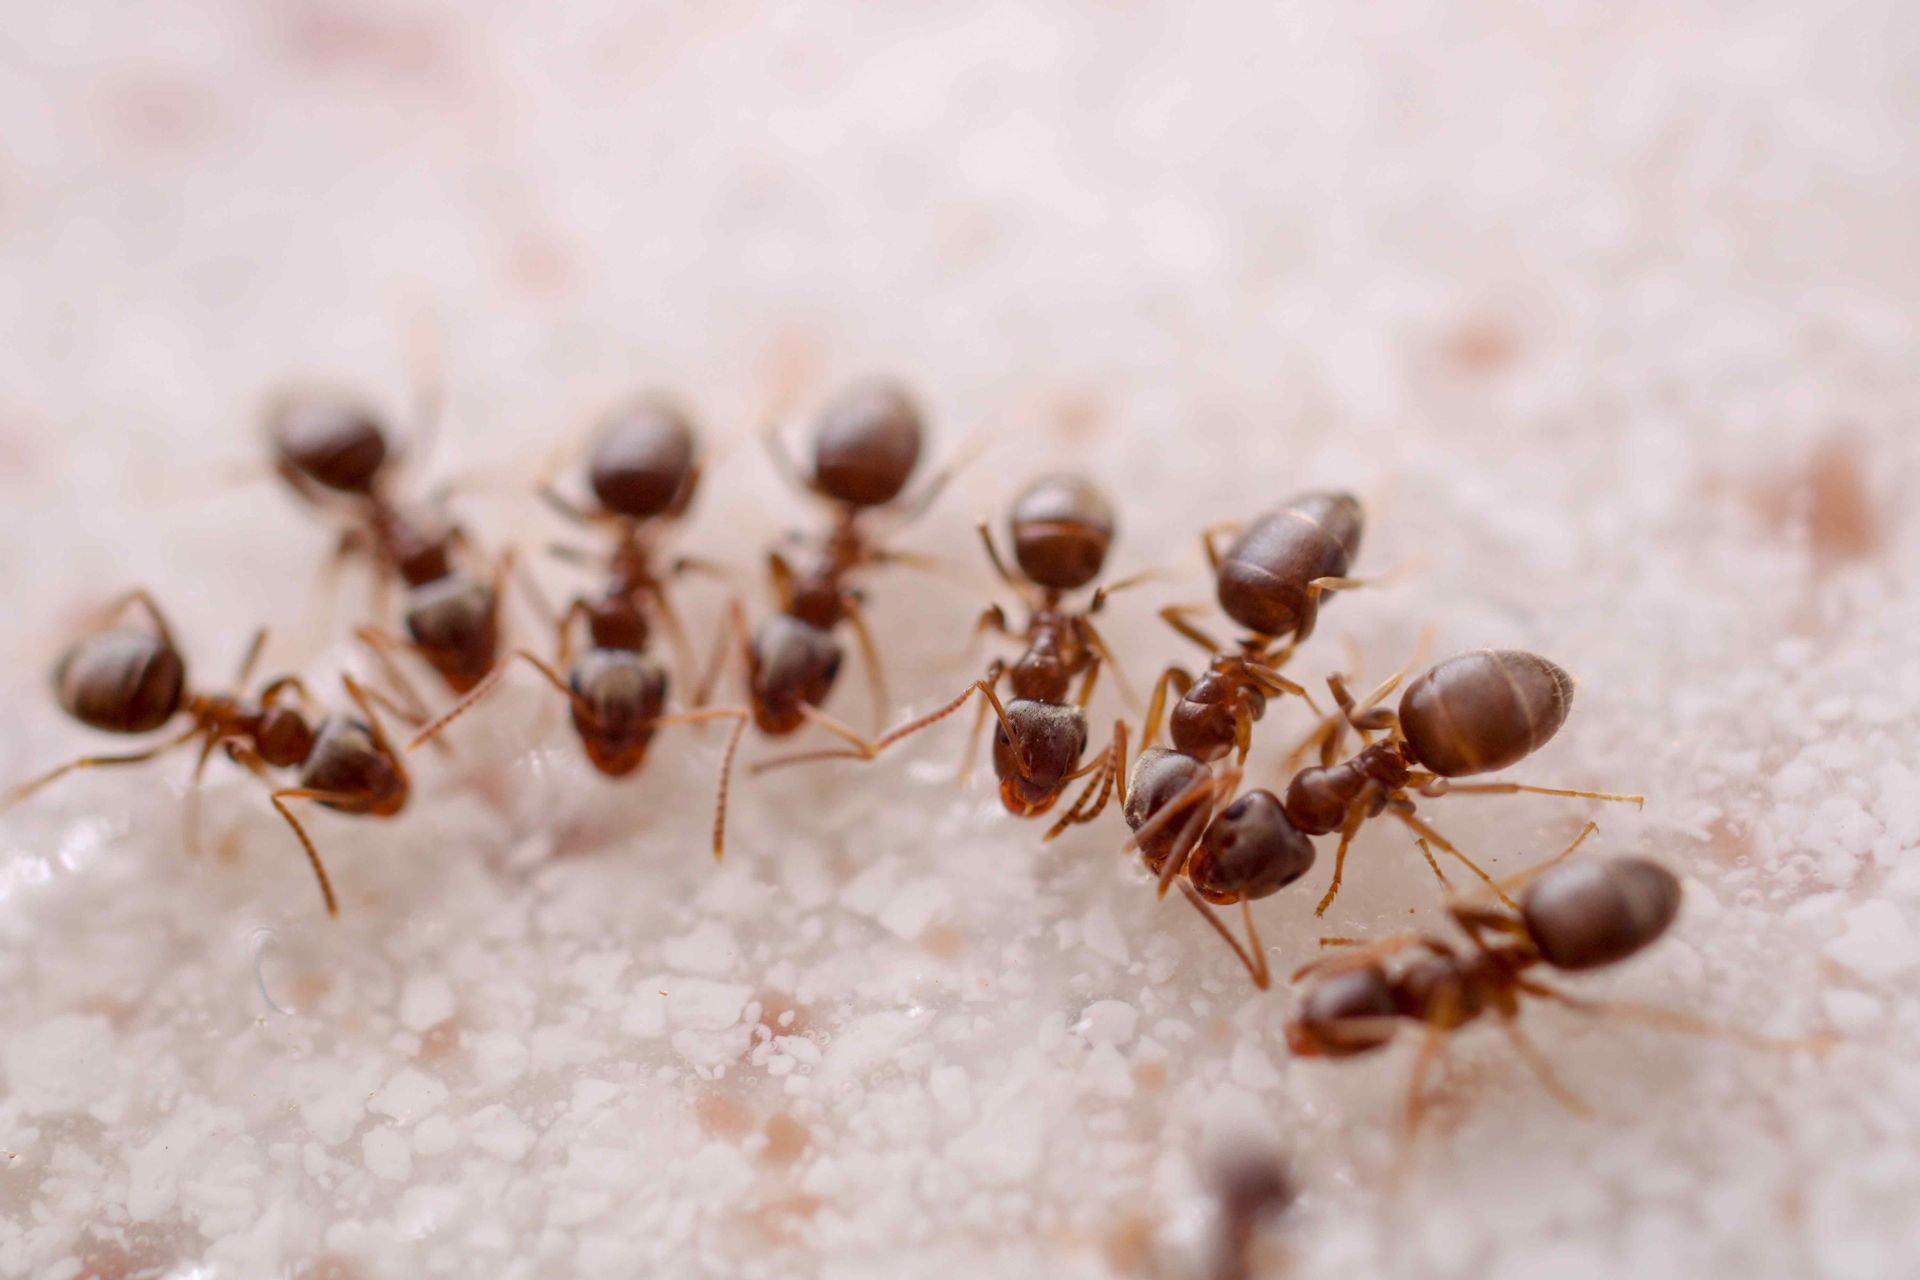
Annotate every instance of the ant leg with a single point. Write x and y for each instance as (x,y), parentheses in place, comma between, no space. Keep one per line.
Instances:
(1278,684)
(1354,818)
(1509,788)
(995,670)
(865,749)
(1157,705)
(985,531)
(1666,1019)
(383,645)
(1542,1069)
(780,574)
(1513,882)
(1432,1047)
(1439,875)
(25,789)
(992,618)
(783,461)
(490,682)
(1208,534)
(1361,955)
(250,657)
(1256,962)
(1175,616)
(565,507)
(563,630)
(701,564)
(1447,846)
(676,634)
(141,597)
(190,811)
(870,656)
(279,800)
(1111,760)
(1087,682)
(732,625)
(1102,594)
(740,718)
(1098,643)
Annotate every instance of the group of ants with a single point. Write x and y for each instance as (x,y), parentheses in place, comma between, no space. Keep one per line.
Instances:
(1471,714)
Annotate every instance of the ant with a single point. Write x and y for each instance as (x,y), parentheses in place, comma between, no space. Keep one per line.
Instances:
(333,451)
(1473,713)
(642,470)
(1574,914)
(1251,1184)
(1270,581)
(131,680)
(1062,527)
(866,444)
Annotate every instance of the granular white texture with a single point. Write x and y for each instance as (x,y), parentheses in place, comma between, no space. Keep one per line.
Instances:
(1607,311)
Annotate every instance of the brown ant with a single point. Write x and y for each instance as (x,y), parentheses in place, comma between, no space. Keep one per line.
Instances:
(1251,1185)
(1062,527)
(866,444)
(130,680)
(642,470)
(1270,581)
(333,451)
(1573,915)
(1472,713)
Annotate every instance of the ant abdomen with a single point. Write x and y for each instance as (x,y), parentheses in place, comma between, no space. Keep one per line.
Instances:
(1159,778)
(1062,527)
(1345,1014)
(333,441)
(454,621)
(1480,711)
(1250,850)
(1203,722)
(1588,913)
(351,770)
(867,444)
(1439,991)
(618,696)
(1052,737)
(642,462)
(122,680)
(792,665)
(1265,579)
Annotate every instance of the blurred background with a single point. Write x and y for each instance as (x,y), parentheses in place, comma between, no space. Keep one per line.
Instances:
(1607,310)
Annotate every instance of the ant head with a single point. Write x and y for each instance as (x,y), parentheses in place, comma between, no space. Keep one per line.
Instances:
(1317,800)
(1052,738)
(1590,912)
(618,694)
(284,737)
(793,665)
(1344,1014)
(1159,778)
(334,441)
(866,444)
(124,680)
(348,762)
(1062,527)
(642,462)
(1251,849)
(455,622)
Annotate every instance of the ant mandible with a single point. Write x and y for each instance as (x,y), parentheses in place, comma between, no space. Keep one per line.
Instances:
(1574,914)
(643,472)
(130,680)
(1473,713)
(1062,527)
(1271,581)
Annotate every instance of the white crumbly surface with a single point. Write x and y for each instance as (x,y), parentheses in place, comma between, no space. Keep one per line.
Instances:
(1608,310)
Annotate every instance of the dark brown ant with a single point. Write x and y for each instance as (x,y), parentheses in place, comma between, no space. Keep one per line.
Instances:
(866,444)
(129,680)
(1062,527)
(1573,915)
(1472,713)
(642,471)
(1271,581)
(1252,1185)
(334,452)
